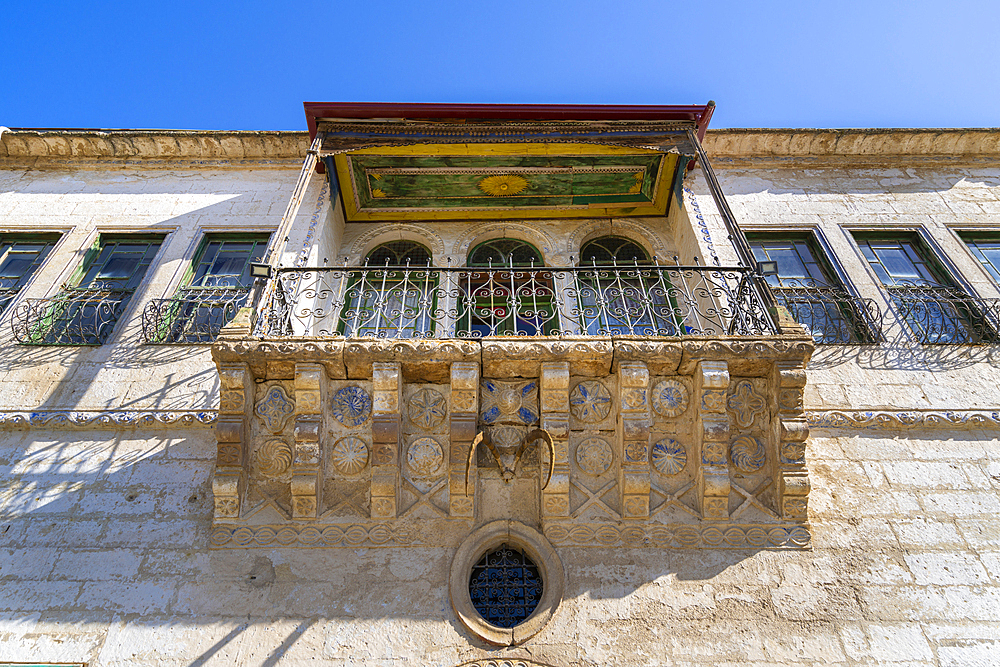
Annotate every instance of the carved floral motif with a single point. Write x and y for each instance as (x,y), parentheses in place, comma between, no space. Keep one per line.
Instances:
(275,408)
(427,408)
(668,456)
(350,455)
(745,404)
(274,457)
(594,456)
(509,401)
(747,454)
(425,456)
(590,401)
(670,398)
(351,406)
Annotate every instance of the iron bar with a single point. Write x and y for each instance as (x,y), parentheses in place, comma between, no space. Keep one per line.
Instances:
(192,316)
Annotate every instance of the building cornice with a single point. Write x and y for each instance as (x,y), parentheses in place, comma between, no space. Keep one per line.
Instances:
(762,147)
(152,148)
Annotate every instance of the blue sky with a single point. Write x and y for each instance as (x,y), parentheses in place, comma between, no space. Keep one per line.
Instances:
(251,64)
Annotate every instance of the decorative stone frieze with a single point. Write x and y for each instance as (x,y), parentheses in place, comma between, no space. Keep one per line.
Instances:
(710,458)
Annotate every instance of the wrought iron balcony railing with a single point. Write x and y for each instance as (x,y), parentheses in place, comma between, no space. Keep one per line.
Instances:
(939,315)
(833,316)
(72,317)
(428,302)
(193,315)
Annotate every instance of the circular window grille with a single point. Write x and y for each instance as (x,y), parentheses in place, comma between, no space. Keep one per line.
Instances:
(505,586)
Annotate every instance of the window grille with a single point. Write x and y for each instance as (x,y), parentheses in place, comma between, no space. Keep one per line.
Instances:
(506,292)
(217,286)
(505,586)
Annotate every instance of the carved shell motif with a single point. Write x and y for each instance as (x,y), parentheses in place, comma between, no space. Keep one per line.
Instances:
(274,457)
(747,453)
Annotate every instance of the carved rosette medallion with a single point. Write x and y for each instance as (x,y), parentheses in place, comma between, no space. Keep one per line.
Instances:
(670,398)
(275,408)
(594,456)
(636,451)
(427,409)
(590,401)
(274,457)
(351,406)
(747,454)
(349,456)
(425,456)
(668,456)
(509,401)
(745,404)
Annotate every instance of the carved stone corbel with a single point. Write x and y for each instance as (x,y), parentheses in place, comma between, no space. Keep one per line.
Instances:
(711,382)
(387,433)
(306,486)
(464,419)
(554,382)
(633,424)
(229,483)
(793,430)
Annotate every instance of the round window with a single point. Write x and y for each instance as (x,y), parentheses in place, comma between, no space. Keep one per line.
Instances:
(505,586)
(506,582)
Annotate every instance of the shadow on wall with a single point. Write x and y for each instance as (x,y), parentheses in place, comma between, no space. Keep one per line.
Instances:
(107,533)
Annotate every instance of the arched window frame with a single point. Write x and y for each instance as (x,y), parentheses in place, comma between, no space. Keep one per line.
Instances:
(624,296)
(513,297)
(392,299)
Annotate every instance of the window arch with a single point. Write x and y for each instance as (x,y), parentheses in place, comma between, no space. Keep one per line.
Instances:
(505,252)
(399,253)
(613,250)
(506,291)
(393,296)
(621,292)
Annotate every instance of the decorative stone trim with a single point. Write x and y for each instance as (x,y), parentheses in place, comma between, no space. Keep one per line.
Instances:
(15,419)
(142,145)
(345,535)
(884,419)
(767,147)
(367,241)
(679,536)
(538,549)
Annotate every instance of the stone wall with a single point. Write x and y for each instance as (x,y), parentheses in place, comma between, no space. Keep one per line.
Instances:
(106,504)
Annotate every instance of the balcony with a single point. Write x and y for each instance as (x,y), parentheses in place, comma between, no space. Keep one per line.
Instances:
(941,315)
(192,316)
(832,316)
(73,317)
(429,302)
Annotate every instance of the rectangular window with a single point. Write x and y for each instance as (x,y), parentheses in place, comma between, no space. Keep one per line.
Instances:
(216,287)
(929,301)
(86,312)
(986,248)
(808,288)
(20,257)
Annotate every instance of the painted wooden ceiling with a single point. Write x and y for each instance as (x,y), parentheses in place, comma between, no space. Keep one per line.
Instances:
(456,181)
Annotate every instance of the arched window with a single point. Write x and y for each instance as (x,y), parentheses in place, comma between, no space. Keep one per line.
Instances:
(506,292)
(393,297)
(622,292)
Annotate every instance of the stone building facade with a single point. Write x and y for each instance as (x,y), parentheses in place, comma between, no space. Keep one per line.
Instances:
(514,385)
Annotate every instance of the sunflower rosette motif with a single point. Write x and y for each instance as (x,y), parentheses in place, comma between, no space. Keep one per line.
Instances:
(503,185)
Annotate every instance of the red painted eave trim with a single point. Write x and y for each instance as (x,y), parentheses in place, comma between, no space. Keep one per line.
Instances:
(698,113)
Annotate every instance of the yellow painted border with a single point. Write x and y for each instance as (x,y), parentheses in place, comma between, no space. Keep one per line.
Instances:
(657,207)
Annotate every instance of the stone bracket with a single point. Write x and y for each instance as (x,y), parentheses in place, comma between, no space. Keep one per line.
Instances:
(554,400)
(387,433)
(464,418)
(634,423)
(711,382)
